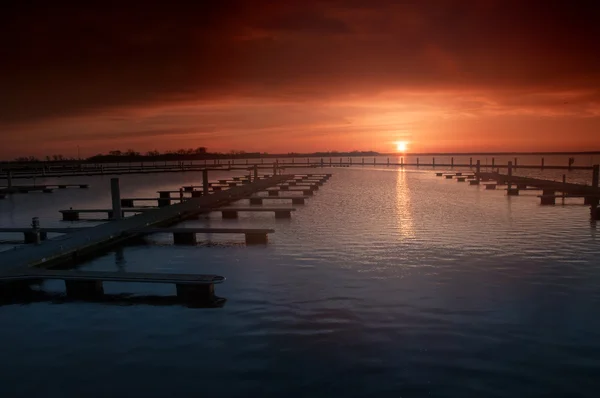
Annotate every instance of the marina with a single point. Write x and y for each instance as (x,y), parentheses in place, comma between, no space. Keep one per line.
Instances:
(77,242)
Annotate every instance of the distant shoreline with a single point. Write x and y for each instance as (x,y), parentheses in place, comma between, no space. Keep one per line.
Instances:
(215,156)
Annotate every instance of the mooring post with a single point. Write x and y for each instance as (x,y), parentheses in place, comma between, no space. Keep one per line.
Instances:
(515,163)
(205,181)
(595,212)
(388,161)
(116,199)
(363,161)
(509,190)
(493,163)
(452,162)
(255,172)
(542,163)
(478,169)
(433,162)
(470,162)
(374,161)
(34,236)
(9,179)
(417,162)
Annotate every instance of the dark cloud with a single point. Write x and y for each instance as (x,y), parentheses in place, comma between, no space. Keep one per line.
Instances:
(64,59)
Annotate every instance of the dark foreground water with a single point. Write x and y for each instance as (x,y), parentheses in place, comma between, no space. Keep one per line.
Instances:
(387,284)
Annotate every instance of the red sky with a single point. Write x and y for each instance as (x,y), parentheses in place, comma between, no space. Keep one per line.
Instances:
(302,76)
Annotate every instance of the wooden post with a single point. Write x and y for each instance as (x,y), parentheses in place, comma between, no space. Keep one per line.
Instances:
(470,162)
(388,161)
(363,161)
(595,212)
(255,172)
(542,163)
(433,162)
(515,163)
(478,169)
(493,161)
(452,162)
(417,162)
(509,190)
(205,181)
(116,198)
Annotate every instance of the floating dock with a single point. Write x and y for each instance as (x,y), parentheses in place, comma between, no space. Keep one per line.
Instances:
(38,262)
(550,189)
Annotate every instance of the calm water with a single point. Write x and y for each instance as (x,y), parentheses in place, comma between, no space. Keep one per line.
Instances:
(386,283)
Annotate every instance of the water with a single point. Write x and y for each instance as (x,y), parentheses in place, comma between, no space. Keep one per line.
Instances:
(386,283)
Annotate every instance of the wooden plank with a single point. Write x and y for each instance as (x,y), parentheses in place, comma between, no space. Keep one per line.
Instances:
(151,199)
(207,230)
(566,196)
(280,197)
(124,209)
(53,230)
(252,209)
(104,276)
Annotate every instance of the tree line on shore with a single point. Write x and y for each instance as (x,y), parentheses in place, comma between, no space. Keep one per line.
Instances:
(199,153)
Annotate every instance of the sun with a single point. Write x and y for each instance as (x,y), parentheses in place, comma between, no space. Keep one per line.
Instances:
(401,146)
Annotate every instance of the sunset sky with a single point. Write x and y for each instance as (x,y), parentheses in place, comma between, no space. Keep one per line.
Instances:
(301,76)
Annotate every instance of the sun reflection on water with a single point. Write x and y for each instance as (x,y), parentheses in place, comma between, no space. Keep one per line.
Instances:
(404,207)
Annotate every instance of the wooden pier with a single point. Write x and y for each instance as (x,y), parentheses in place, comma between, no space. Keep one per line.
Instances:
(190,288)
(49,188)
(232,212)
(187,236)
(551,190)
(38,262)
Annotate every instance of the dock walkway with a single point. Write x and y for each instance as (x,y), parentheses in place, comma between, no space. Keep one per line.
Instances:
(91,240)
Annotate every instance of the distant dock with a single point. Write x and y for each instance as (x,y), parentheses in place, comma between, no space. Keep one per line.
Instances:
(551,190)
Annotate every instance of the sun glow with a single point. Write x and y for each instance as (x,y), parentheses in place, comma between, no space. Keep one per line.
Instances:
(401,146)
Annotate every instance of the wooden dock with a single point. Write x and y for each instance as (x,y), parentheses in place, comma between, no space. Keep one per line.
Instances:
(94,239)
(190,288)
(550,189)
(187,236)
(180,235)
(38,262)
(49,188)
